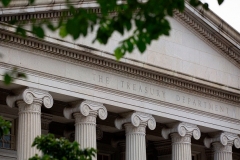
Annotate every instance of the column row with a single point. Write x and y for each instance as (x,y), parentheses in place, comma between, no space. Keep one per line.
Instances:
(30,100)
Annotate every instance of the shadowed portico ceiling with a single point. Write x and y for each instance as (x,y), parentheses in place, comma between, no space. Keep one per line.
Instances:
(221,36)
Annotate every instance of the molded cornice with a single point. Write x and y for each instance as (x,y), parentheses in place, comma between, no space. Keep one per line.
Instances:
(85,58)
(223,40)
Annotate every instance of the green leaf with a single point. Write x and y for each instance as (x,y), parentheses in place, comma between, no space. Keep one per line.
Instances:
(118,53)
(220,2)
(6,2)
(31,1)
(21,75)
(21,31)
(63,32)
(141,46)
(7,79)
(205,6)
(5,127)
(38,31)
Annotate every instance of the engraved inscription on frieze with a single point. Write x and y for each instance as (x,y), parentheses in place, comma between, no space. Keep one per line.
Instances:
(164,94)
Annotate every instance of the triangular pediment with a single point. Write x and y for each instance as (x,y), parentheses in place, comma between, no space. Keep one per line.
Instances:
(184,52)
(193,48)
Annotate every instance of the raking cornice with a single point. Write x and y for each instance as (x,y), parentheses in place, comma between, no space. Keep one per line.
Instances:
(225,45)
(86,58)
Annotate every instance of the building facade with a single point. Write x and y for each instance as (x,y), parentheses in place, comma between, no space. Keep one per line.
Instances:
(177,101)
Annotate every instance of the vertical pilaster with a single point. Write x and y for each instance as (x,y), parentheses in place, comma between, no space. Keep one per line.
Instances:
(181,134)
(222,143)
(135,127)
(29,102)
(85,114)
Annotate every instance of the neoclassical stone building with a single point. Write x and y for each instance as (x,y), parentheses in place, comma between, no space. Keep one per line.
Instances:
(178,101)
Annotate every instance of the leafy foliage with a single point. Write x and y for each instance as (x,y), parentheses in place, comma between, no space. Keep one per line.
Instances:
(4,127)
(10,76)
(146,20)
(60,149)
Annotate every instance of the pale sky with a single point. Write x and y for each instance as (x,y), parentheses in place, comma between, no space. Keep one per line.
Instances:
(229,11)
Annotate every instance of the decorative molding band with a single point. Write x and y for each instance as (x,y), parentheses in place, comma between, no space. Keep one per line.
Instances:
(85,108)
(224,138)
(182,128)
(52,14)
(136,119)
(82,58)
(30,95)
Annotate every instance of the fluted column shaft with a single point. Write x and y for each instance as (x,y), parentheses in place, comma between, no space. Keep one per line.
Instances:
(135,142)
(135,124)
(222,152)
(85,130)
(29,129)
(29,102)
(181,147)
(222,143)
(181,134)
(85,113)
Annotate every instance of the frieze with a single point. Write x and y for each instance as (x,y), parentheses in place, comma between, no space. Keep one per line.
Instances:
(164,94)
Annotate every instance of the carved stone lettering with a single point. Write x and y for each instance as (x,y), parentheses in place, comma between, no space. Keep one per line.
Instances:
(165,94)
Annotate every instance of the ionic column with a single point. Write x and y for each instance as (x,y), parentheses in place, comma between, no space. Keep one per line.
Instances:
(29,102)
(135,126)
(181,134)
(222,145)
(85,114)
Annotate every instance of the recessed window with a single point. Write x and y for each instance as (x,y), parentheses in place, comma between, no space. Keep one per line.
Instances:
(8,141)
(103,157)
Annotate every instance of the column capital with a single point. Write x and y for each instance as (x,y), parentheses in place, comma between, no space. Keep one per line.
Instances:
(30,95)
(182,128)
(85,108)
(223,138)
(136,119)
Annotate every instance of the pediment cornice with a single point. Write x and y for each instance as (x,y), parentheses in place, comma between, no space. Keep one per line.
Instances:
(218,34)
(106,62)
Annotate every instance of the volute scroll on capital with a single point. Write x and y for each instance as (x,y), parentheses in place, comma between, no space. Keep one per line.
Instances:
(224,138)
(136,119)
(30,95)
(86,107)
(182,128)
